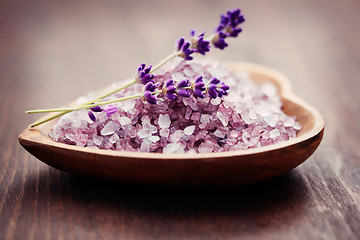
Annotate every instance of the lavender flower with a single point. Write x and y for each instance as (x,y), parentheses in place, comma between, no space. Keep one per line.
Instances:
(228,27)
(111,109)
(219,40)
(170,90)
(143,74)
(217,89)
(148,94)
(149,97)
(184,49)
(91,116)
(181,91)
(198,43)
(96,109)
(199,87)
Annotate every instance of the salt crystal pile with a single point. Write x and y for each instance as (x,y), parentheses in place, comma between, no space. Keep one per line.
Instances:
(249,117)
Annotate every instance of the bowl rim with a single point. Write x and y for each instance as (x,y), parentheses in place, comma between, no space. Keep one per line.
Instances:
(34,136)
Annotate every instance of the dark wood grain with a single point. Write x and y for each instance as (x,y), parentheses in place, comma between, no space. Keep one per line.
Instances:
(53,51)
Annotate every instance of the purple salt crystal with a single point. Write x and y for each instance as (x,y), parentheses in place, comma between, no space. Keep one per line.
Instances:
(188,113)
(124,120)
(216,101)
(274,133)
(97,140)
(219,134)
(144,133)
(205,118)
(164,132)
(164,121)
(109,128)
(154,138)
(145,145)
(195,116)
(114,138)
(173,148)
(206,147)
(176,136)
(189,130)
(270,120)
(223,119)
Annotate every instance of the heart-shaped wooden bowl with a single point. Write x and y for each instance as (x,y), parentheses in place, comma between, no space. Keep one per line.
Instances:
(206,169)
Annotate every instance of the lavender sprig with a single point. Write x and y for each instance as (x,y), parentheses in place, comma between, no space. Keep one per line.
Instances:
(199,44)
(228,27)
(184,49)
(143,74)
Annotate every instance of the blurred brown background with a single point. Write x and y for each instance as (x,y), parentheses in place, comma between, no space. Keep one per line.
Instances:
(51,52)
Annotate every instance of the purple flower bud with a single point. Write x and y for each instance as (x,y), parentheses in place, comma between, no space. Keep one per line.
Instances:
(198,93)
(149,97)
(200,86)
(180,43)
(169,82)
(183,83)
(214,81)
(170,90)
(212,91)
(144,75)
(183,93)
(228,27)
(235,32)
(220,92)
(91,116)
(224,87)
(150,86)
(199,45)
(172,97)
(219,40)
(111,109)
(217,90)
(96,109)
(199,79)
(183,48)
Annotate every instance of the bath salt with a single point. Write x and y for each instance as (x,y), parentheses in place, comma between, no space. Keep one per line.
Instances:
(249,116)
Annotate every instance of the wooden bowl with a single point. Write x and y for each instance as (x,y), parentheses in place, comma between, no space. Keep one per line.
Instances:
(223,168)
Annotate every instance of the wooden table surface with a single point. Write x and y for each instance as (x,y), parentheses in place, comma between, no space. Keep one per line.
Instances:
(54,51)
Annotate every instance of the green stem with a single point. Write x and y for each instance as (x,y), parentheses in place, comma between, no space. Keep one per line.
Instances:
(165,60)
(82,106)
(63,112)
